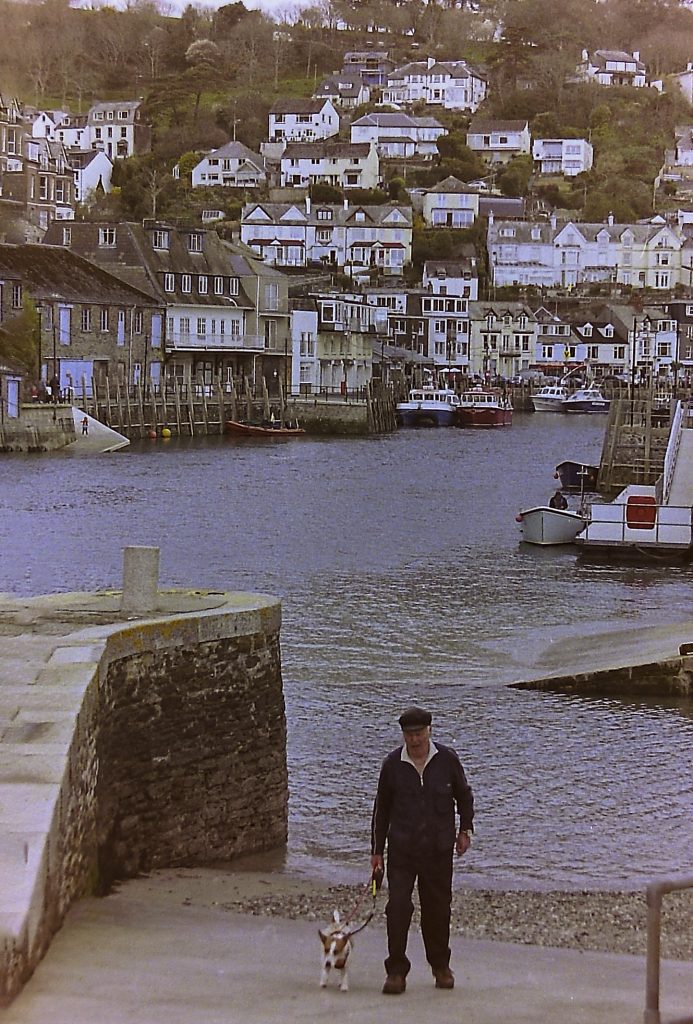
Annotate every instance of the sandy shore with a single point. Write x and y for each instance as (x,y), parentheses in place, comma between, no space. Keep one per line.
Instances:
(609,921)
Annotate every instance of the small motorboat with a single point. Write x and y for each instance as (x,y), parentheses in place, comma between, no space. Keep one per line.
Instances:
(483,408)
(577,477)
(428,407)
(545,525)
(263,429)
(550,398)
(588,399)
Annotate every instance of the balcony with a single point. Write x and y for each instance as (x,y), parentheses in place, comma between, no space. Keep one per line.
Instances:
(179,342)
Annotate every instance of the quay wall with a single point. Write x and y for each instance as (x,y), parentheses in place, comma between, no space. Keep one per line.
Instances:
(35,429)
(671,677)
(131,744)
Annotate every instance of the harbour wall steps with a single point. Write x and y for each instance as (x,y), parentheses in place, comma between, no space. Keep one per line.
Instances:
(135,733)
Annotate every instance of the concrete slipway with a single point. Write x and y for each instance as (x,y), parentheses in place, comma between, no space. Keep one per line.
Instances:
(139,958)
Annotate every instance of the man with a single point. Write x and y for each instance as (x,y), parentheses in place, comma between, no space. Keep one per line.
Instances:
(419,787)
(558,501)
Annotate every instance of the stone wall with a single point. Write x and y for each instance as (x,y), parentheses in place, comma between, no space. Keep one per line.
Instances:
(127,745)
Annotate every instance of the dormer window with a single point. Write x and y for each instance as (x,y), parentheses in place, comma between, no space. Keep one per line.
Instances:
(186,283)
(202,284)
(324,214)
(218,285)
(507,232)
(360,215)
(161,239)
(587,330)
(195,242)
(107,238)
(233,286)
(608,331)
(169,282)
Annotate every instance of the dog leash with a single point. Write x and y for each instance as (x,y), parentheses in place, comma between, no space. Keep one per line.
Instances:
(372,887)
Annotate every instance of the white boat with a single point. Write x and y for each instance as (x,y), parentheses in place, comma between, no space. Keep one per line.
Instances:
(589,399)
(428,407)
(550,398)
(545,525)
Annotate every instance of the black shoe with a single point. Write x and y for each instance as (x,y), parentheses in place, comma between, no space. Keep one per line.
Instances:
(444,978)
(395,985)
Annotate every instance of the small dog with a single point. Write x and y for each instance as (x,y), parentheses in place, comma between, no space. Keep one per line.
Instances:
(337,945)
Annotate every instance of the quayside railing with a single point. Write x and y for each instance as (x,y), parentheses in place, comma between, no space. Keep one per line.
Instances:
(655,893)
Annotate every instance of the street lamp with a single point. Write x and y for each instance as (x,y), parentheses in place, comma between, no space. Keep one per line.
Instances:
(55,387)
(39,312)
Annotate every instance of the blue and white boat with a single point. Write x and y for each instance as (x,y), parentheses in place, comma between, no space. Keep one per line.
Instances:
(428,407)
(589,399)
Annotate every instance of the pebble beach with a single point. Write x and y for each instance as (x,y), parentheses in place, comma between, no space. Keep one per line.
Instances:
(600,921)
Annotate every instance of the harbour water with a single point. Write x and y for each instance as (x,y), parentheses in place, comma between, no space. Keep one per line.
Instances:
(402,579)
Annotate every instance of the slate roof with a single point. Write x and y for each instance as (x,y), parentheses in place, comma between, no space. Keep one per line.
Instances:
(297,105)
(485,126)
(346,86)
(52,272)
(236,151)
(451,186)
(397,121)
(340,215)
(600,57)
(320,150)
(642,233)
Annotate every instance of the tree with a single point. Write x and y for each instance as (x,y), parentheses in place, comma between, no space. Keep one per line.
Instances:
(204,60)
(514,180)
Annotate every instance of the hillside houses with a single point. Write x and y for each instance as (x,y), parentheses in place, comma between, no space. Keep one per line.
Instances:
(302,120)
(399,135)
(613,68)
(346,90)
(553,254)
(450,204)
(355,238)
(498,141)
(231,166)
(453,85)
(568,157)
(342,164)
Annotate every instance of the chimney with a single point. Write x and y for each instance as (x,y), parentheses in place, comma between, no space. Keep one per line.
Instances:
(689,66)
(346,204)
(610,220)
(553,221)
(636,54)
(308,205)
(490,218)
(585,55)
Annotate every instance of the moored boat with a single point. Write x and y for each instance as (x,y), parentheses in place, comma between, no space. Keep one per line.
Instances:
(482,408)
(550,398)
(428,407)
(546,526)
(636,525)
(589,399)
(577,476)
(262,430)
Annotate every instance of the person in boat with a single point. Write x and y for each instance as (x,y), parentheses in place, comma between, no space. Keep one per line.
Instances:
(558,500)
(421,784)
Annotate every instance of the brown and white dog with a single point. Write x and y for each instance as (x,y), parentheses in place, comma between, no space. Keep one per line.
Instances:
(337,945)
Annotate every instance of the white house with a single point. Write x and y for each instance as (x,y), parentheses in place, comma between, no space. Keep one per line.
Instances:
(73,131)
(347,90)
(232,165)
(399,135)
(683,146)
(453,85)
(498,141)
(117,127)
(356,238)
(562,156)
(450,204)
(613,67)
(452,277)
(302,120)
(550,254)
(92,171)
(342,164)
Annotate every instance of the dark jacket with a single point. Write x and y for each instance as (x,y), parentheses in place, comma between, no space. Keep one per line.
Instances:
(414,814)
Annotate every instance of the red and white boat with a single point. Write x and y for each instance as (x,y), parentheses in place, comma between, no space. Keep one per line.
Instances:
(482,407)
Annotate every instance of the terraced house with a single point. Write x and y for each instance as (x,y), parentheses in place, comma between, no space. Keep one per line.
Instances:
(342,164)
(353,237)
(226,314)
(555,254)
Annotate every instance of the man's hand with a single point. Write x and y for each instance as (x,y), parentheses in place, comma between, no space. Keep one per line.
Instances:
(463,843)
(377,862)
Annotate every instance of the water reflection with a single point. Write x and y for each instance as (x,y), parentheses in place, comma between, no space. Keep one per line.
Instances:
(402,579)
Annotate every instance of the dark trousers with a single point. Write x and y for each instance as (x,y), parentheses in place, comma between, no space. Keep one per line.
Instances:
(434,874)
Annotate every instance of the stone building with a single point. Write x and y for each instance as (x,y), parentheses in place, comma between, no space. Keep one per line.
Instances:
(89,324)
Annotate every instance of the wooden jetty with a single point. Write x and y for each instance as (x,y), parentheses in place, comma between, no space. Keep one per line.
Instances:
(635,443)
(195,410)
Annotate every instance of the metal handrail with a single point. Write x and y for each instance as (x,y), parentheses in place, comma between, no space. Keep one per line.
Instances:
(655,891)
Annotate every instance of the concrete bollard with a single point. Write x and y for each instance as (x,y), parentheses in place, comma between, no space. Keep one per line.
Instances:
(140,579)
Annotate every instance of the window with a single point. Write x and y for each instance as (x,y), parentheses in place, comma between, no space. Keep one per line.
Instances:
(16,296)
(185,325)
(161,239)
(272,296)
(86,318)
(138,322)
(218,285)
(587,330)
(107,237)
(169,282)
(103,318)
(186,283)
(201,327)
(195,243)
(619,351)
(593,351)
(233,286)
(323,214)
(202,284)
(109,115)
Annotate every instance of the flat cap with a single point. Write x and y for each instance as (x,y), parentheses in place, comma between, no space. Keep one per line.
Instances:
(415,718)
